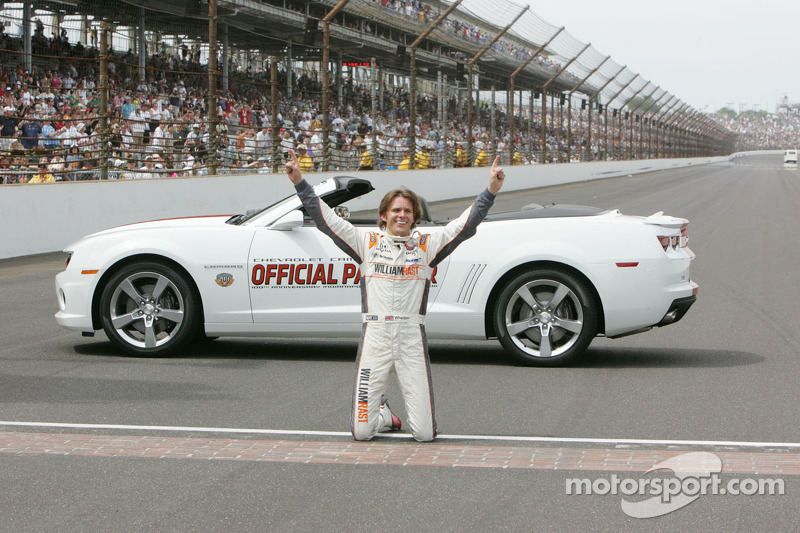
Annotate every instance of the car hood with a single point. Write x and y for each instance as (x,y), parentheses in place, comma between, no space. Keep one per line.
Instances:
(183,222)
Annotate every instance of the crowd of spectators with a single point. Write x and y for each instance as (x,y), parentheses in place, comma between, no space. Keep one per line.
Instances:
(50,122)
(50,126)
(763,131)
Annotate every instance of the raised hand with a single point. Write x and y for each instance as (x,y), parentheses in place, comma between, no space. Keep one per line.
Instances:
(496,177)
(293,169)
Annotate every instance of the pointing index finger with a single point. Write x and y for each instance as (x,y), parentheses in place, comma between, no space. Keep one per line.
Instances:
(494,164)
(294,156)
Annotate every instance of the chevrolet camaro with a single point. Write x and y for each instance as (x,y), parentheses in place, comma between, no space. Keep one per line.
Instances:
(544,280)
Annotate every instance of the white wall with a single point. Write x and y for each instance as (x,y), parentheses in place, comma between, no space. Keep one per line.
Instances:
(45,218)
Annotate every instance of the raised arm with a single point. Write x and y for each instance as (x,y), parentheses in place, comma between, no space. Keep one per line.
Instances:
(465,226)
(343,234)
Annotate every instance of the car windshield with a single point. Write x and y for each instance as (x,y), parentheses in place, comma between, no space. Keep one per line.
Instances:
(241,219)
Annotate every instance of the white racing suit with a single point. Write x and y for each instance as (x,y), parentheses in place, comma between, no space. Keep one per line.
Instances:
(395,278)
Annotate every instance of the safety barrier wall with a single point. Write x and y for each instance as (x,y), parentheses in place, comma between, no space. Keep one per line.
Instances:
(47,217)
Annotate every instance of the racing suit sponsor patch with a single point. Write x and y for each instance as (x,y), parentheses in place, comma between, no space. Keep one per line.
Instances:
(363,395)
(397,270)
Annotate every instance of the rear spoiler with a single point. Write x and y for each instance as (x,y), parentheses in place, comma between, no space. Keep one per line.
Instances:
(666,221)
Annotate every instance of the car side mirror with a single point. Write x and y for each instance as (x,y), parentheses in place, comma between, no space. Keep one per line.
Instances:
(289,221)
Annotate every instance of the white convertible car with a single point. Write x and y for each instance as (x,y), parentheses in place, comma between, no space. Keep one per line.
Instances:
(544,281)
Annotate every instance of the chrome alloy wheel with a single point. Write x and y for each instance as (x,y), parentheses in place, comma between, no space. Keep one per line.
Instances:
(544,318)
(146,309)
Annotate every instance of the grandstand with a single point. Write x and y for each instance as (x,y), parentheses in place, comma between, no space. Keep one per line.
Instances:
(108,90)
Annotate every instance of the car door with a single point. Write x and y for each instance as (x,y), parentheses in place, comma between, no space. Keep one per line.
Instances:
(300,282)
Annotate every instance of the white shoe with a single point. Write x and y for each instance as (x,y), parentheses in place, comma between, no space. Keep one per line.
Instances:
(391,422)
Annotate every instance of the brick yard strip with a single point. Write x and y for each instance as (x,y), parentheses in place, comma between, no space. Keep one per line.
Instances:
(390,453)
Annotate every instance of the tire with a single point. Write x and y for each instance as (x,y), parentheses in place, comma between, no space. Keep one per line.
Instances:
(149,309)
(525,316)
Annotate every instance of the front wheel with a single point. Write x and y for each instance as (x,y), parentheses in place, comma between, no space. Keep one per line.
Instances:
(545,317)
(149,309)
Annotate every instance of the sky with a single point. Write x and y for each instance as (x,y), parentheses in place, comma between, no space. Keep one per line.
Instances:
(709,53)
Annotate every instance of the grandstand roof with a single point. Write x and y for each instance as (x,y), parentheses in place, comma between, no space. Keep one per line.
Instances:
(269,27)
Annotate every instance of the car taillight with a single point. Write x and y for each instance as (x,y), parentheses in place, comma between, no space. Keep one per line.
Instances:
(69,258)
(673,242)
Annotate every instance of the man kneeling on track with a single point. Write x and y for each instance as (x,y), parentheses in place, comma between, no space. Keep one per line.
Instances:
(396,270)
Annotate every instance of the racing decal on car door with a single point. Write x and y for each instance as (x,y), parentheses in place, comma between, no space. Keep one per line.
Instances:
(308,273)
(224,279)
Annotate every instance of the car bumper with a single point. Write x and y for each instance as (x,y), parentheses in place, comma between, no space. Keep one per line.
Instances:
(74,294)
(677,310)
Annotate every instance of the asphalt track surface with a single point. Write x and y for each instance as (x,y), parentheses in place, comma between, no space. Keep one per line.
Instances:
(250,435)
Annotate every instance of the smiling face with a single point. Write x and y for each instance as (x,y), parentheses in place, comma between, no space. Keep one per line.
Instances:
(399,217)
(396,218)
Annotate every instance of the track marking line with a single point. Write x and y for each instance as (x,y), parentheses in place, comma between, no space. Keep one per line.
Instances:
(310,433)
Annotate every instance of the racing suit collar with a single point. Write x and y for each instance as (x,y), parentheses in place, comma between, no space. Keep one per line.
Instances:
(409,241)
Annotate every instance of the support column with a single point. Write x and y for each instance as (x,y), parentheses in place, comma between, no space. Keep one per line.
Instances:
(381,92)
(213,131)
(276,139)
(26,36)
(530,123)
(444,105)
(225,53)
(511,118)
(543,135)
(478,100)
(373,89)
(493,133)
(288,70)
(569,128)
(105,136)
(142,45)
(439,98)
(340,79)
(84,33)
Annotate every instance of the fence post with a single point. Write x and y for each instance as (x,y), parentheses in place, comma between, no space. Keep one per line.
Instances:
(105,137)
(273,96)
(213,134)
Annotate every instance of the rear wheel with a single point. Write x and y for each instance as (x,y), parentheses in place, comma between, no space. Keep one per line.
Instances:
(545,317)
(149,309)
